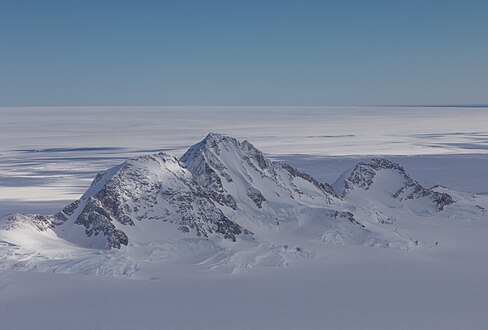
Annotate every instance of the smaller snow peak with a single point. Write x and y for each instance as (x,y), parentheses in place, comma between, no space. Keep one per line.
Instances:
(393,180)
(363,173)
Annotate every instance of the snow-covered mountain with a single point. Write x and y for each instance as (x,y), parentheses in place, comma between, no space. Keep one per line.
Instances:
(388,183)
(225,201)
(250,189)
(145,189)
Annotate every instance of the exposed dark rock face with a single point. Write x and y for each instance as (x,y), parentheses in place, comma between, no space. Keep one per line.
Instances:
(362,177)
(441,200)
(256,196)
(344,216)
(97,220)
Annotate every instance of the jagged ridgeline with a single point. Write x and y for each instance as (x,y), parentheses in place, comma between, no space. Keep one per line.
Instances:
(221,189)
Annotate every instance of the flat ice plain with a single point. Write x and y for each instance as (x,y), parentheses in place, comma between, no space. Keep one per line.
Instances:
(48,157)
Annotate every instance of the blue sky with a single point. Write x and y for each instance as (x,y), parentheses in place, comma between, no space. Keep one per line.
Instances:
(206,52)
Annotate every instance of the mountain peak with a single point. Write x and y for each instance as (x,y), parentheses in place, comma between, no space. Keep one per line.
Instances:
(237,176)
(215,137)
(390,179)
(214,142)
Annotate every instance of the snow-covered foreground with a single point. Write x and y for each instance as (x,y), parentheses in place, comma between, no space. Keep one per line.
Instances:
(348,289)
(410,267)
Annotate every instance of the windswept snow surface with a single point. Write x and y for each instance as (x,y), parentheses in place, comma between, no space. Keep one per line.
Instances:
(406,265)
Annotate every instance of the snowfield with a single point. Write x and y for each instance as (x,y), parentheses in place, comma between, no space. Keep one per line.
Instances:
(351,218)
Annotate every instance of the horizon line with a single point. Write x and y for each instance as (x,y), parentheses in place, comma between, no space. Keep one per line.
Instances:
(467,105)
